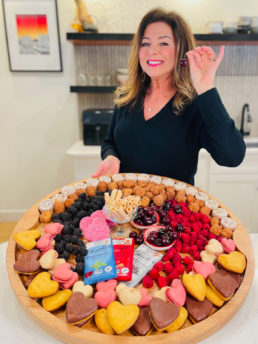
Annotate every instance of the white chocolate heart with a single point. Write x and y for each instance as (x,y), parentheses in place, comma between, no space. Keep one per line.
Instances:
(208,257)
(161,294)
(129,296)
(87,290)
(214,247)
(47,261)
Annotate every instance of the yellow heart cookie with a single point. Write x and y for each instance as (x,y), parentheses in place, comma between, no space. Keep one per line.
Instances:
(42,286)
(195,285)
(48,259)
(53,302)
(26,239)
(208,257)
(234,261)
(102,323)
(87,290)
(121,317)
(179,322)
(213,296)
(129,296)
(161,294)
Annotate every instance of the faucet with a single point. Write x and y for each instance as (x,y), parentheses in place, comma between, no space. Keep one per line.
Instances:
(248,119)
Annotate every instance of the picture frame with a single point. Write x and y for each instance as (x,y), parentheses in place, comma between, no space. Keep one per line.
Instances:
(32,35)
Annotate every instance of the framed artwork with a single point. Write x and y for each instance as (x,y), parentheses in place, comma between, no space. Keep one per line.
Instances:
(32,35)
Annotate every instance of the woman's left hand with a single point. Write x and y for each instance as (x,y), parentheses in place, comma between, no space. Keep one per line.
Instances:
(203,66)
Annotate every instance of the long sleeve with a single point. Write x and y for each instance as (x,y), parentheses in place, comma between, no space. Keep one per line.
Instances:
(108,146)
(219,135)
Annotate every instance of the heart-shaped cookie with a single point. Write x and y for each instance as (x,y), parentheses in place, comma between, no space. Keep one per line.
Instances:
(111,284)
(121,317)
(47,260)
(27,239)
(234,261)
(102,323)
(228,245)
(213,296)
(104,298)
(28,263)
(179,322)
(208,257)
(145,298)
(54,228)
(222,283)
(161,294)
(198,310)
(163,313)
(129,296)
(65,276)
(195,285)
(42,286)
(143,325)
(86,290)
(119,287)
(204,269)
(80,308)
(176,293)
(45,243)
(53,302)
(58,262)
(214,247)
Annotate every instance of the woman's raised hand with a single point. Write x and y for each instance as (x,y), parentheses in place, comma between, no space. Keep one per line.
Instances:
(110,165)
(203,66)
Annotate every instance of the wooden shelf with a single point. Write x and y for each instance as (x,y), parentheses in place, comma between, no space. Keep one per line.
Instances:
(126,38)
(92,89)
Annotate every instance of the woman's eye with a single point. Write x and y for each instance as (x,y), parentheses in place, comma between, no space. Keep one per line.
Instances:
(163,43)
(145,44)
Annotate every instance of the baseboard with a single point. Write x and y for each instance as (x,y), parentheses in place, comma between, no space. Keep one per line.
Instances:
(11,215)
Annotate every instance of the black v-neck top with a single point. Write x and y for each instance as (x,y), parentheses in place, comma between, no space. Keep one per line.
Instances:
(168,144)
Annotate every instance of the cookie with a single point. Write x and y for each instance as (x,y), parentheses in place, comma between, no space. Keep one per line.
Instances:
(65,276)
(42,286)
(214,247)
(80,308)
(223,284)
(129,296)
(198,310)
(162,313)
(143,325)
(86,290)
(111,284)
(208,257)
(213,296)
(195,285)
(145,298)
(121,317)
(204,269)
(53,302)
(102,323)
(27,239)
(176,293)
(234,261)
(161,294)
(104,298)
(228,245)
(47,260)
(28,263)
(179,322)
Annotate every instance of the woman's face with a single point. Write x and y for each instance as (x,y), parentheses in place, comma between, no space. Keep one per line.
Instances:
(157,53)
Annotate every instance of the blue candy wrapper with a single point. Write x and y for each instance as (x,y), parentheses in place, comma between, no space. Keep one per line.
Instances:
(99,262)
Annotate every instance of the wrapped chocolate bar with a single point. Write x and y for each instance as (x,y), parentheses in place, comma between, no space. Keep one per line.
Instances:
(124,250)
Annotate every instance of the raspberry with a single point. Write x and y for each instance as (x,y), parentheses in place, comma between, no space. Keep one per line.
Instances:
(147,282)
(201,242)
(185,238)
(154,274)
(196,255)
(179,268)
(182,204)
(192,218)
(206,226)
(186,212)
(172,249)
(167,256)
(171,214)
(173,275)
(158,266)
(193,237)
(187,229)
(178,245)
(179,218)
(185,248)
(193,249)
(197,216)
(167,268)
(162,281)
(219,238)
(189,268)
(176,258)
(204,233)
(173,223)
(200,224)
(212,236)
(187,260)
(195,227)
(205,218)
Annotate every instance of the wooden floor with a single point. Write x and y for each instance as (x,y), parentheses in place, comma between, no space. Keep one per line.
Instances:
(6,229)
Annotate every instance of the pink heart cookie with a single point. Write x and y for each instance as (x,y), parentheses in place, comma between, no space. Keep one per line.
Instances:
(105,286)
(145,298)
(65,276)
(44,243)
(105,297)
(228,245)
(54,228)
(176,293)
(204,269)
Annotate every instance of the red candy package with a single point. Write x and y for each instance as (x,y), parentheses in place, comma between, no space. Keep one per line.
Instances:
(123,251)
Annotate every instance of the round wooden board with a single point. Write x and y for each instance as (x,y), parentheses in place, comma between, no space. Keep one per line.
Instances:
(56,325)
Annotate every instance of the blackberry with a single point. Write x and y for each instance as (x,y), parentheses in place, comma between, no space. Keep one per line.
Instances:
(62,242)
(76,221)
(66,237)
(82,196)
(73,269)
(72,210)
(81,243)
(69,247)
(77,231)
(59,248)
(80,268)
(74,239)
(79,258)
(76,250)
(83,251)
(66,230)
(81,214)
(86,206)
(55,217)
(78,204)
(58,238)
(58,221)
(99,193)
(66,255)
(65,216)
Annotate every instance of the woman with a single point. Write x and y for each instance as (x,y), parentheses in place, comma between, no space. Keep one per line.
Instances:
(166,113)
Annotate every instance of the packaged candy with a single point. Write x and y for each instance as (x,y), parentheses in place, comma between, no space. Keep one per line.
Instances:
(123,250)
(143,261)
(99,262)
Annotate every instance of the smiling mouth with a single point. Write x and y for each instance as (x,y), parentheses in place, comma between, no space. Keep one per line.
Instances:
(154,63)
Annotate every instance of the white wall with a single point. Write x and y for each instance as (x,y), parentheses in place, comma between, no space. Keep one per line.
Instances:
(39,117)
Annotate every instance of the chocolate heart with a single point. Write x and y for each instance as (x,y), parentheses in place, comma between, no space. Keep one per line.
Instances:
(163,313)
(198,310)
(80,308)
(28,263)
(238,277)
(223,282)
(143,324)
